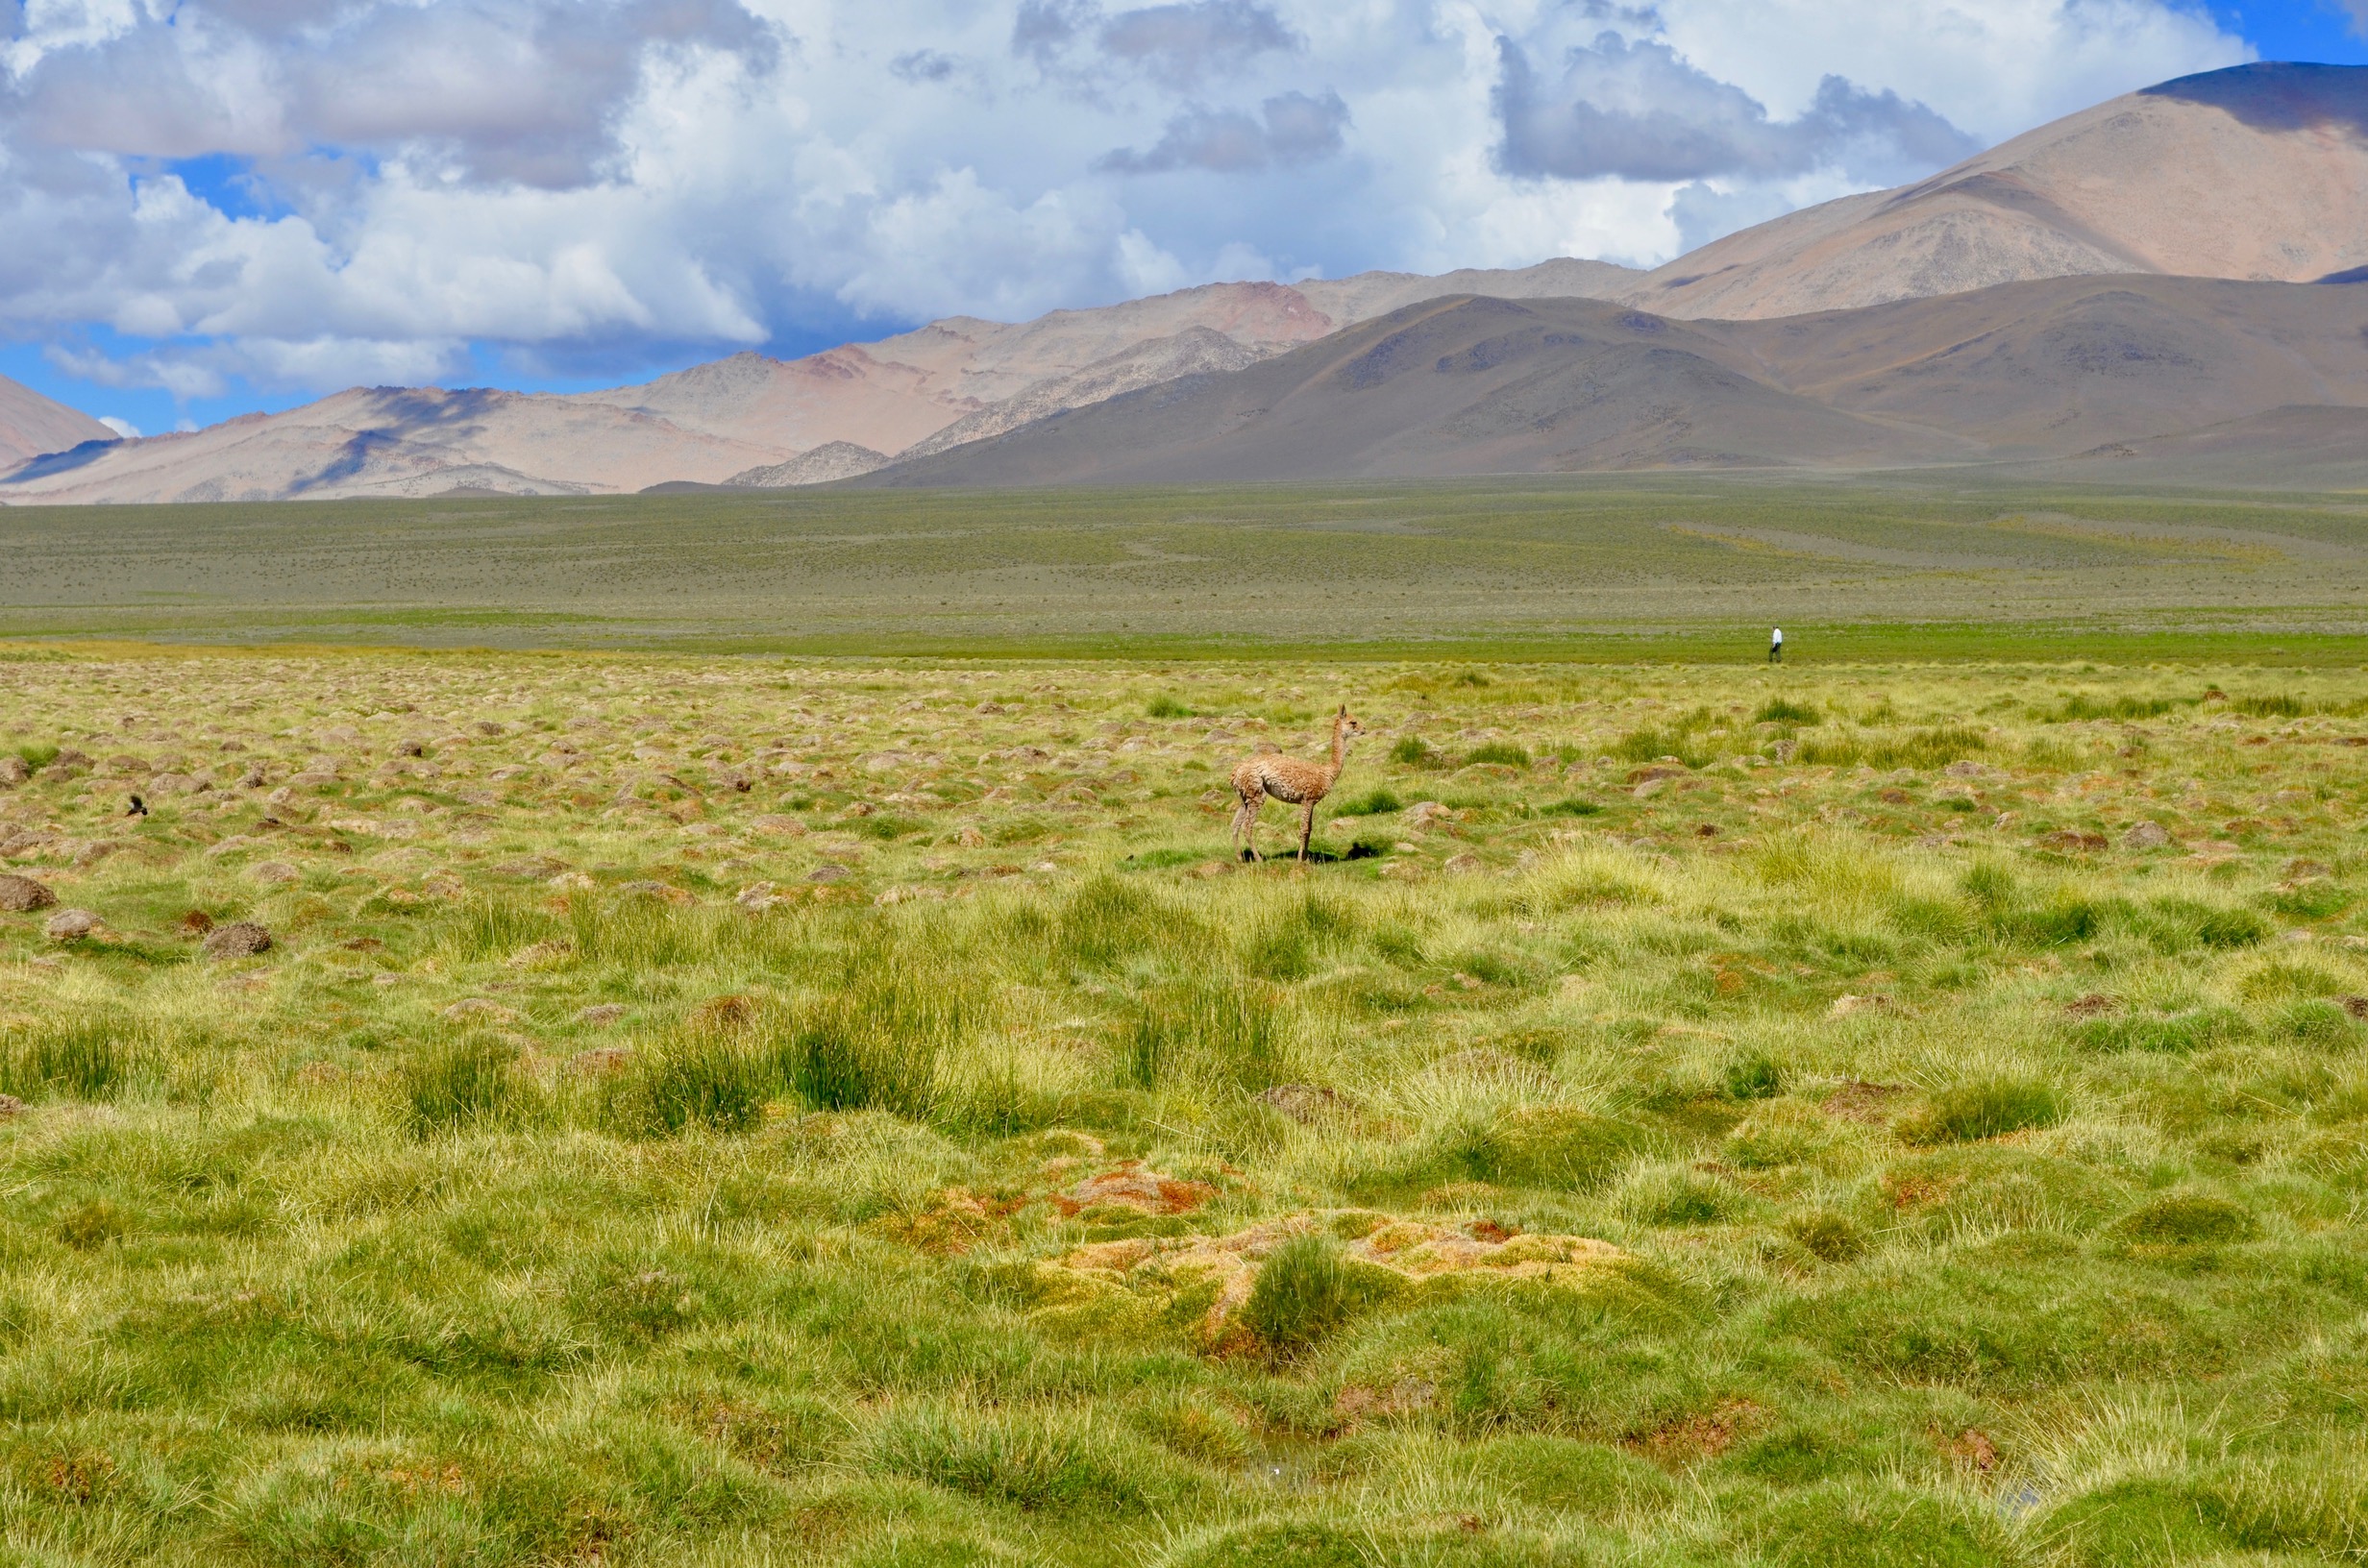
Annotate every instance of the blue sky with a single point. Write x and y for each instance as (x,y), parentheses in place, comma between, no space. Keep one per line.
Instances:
(219,205)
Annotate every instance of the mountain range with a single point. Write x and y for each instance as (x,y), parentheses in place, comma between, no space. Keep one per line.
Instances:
(2174,281)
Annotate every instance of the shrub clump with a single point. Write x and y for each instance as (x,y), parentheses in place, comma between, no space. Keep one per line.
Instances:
(457,1082)
(1970,1111)
(1308,1291)
(2187,1219)
(1754,1075)
(82,1058)
(701,1078)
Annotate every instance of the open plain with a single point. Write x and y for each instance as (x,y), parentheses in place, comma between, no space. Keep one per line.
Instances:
(523,1108)
(1688,566)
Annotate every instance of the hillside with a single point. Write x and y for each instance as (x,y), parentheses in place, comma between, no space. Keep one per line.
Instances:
(2259,172)
(31,424)
(1461,386)
(2021,371)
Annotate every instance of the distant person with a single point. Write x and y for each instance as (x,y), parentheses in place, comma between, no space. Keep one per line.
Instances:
(1776,646)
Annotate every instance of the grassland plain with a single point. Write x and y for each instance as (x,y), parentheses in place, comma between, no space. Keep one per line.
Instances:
(1688,566)
(749,1111)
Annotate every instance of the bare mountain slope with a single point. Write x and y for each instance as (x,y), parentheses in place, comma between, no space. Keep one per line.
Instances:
(390,441)
(2022,372)
(1197,351)
(31,424)
(1452,386)
(2259,172)
(2057,366)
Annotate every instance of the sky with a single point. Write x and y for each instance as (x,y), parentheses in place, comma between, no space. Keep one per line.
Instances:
(210,207)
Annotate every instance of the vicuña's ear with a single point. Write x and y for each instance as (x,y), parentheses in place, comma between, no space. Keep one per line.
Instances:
(1343,710)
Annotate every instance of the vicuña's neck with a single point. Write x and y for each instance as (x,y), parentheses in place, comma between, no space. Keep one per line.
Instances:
(1340,745)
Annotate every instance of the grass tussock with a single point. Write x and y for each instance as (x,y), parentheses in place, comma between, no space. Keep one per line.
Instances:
(1885,1115)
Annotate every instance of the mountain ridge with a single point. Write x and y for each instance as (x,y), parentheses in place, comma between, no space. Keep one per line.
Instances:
(2257,175)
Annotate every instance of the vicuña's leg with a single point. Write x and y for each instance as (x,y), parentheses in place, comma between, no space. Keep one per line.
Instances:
(1245,824)
(1307,829)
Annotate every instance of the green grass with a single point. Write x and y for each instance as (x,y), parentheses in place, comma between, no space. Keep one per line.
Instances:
(1846,1144)
(1683,566)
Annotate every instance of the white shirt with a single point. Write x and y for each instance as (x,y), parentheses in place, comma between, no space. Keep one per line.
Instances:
(1778,636)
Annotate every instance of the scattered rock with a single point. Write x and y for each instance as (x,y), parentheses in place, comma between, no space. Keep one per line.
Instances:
(273,872)
(14,769)
(601,1015)
(1465,862)
(2146,836)
(21,895)
(2072,841)
(757,898)
(71,925)
(827,871)
(1423,813)
(777,825)
(241,939)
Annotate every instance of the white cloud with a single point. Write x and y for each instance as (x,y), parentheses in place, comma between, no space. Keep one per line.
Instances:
(384,182)
(124,428)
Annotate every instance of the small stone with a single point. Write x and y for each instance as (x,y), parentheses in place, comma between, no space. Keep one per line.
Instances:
(21,895)
(2146,836)
(71,926)
(241,939)
(1465,862)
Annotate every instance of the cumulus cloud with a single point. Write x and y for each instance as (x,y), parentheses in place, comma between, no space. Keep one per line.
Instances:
(1183,43)
(306,193)
(1637,111)
(1292,128)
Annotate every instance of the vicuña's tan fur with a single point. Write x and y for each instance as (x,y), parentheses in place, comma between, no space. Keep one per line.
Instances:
(1290,780)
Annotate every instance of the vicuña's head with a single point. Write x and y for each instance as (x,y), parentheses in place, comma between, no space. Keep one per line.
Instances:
(1347,726)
